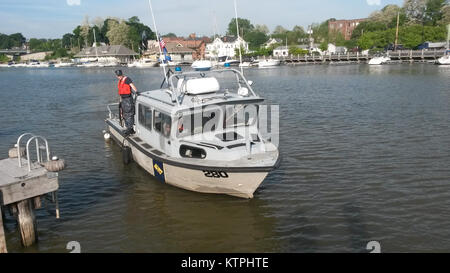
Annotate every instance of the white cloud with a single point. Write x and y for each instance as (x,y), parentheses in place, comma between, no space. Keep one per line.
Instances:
(369,2)
(77,2)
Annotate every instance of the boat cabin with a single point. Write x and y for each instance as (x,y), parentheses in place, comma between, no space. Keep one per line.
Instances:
(201,115)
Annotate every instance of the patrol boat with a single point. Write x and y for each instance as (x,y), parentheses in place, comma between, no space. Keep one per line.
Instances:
(201,133)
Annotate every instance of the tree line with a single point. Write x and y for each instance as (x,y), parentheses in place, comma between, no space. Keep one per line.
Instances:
(419,21)
(111,31)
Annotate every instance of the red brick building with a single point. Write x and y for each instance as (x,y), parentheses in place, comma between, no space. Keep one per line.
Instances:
(345,27)
(194,43)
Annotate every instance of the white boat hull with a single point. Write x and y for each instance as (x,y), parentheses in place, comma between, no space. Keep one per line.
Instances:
(269,63)
(379,60)
(238,182)
(202,65)
(445,60)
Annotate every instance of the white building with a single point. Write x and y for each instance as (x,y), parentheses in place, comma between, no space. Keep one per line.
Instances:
(225,47)
(281,51)
(272,42)
(333,49)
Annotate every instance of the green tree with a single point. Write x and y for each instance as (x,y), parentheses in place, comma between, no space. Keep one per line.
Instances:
(138,33)
(279,30)
(118,33)
(255,39)
(68,40)
(262,28)
(445,15)
(17,39)
(4,58)
(244,26)
(415,10)
(386,15)
(169,35)
(434,11)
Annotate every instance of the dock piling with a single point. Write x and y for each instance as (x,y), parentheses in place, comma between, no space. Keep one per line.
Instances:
(2,234)
(26,222)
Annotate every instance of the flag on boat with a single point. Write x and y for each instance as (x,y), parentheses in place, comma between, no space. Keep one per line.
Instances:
(162,43)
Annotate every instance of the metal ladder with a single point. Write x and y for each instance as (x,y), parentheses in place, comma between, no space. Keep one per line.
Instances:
(37,139)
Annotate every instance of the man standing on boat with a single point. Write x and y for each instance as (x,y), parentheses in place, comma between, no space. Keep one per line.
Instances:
(126,106)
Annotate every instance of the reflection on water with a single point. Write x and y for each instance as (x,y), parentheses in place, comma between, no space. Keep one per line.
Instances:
(365,157)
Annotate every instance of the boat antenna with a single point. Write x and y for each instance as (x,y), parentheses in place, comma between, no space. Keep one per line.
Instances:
(239,40)
(158,39)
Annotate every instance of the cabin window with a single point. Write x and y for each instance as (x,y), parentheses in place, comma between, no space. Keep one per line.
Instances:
(198,123)
(145,116)
(163,123)
(240,115)
(192,152)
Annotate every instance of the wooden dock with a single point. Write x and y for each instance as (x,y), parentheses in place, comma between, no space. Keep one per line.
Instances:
(398,56)
(23,184)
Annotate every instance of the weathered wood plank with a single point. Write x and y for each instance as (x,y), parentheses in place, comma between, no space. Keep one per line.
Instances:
(37,203)
(29,188)
(2,234)
(27,223)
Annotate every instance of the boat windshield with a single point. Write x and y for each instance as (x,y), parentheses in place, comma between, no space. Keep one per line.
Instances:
(216,118)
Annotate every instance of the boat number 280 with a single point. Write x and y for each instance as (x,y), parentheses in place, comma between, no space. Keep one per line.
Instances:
(215,174)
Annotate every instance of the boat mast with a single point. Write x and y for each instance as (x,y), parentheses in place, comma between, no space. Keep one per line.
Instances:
(95,45)
(238,37)
(396,32)
(448,37)
(157,38)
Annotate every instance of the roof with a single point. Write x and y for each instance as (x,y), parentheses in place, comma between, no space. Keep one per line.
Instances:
(276,40)
(172,48)
(228,39)
(105,51)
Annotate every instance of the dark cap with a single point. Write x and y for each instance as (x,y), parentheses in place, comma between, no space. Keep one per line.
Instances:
(118,73)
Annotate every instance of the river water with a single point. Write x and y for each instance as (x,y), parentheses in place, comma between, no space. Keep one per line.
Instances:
(366,157)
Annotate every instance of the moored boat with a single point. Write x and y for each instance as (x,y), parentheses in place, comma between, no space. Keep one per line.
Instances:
(202,65)
(444,60)
(379,60)
(201,133)
(269,63)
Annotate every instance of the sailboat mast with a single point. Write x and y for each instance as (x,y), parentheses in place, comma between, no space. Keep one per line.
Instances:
(95,44)
(448,37)
(157,38)
(396,32)
(238,37)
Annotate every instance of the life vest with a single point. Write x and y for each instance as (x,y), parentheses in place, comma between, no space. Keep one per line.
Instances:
(124,89)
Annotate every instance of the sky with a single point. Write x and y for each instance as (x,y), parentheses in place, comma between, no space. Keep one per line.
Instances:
(54,18)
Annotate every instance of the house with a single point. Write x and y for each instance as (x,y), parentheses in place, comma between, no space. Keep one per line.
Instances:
(176,50)
(281,51)
(332,49)
(119,52)
(311,48)
(345,27)
(225,47)
(192,42)
(272,42)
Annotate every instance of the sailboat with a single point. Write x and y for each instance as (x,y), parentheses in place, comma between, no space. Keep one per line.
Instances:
(445,60)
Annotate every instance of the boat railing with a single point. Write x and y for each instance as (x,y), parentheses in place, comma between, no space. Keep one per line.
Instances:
(240,79)
(113,115)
